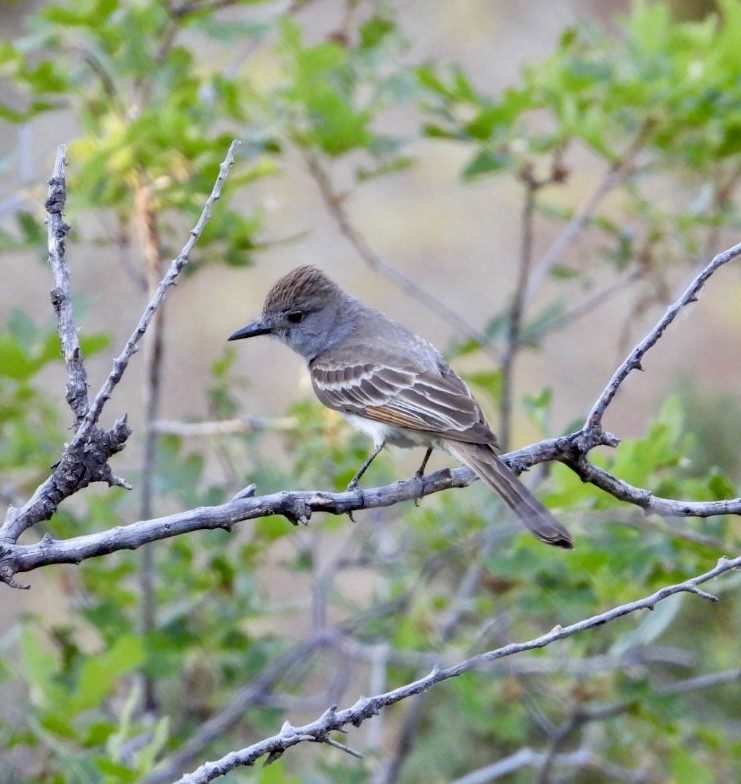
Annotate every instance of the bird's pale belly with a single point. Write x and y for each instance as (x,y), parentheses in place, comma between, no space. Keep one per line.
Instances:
(382,433)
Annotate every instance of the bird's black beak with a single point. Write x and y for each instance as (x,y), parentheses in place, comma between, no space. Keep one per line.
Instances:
(257,327)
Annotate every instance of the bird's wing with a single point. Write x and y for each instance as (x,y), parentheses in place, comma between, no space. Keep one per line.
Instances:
(402,393)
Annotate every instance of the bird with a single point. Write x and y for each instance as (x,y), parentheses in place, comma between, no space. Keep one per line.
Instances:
(392,385)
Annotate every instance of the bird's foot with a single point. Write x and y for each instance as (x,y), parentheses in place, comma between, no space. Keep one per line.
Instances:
(353,487)
(419,476)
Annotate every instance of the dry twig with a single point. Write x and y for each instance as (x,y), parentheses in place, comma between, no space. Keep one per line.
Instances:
(85,458)
(336,720)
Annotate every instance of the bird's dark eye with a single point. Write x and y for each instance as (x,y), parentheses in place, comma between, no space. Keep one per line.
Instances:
(296,317)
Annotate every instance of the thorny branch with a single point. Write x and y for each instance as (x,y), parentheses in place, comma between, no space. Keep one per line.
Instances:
(61,297)
(333,720)
(633,360)
(298,506)
(85,458)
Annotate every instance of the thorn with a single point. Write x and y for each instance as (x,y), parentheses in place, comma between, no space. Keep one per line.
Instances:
(296,511)
(705,595)
(610,439)
(342,747)
(329,713)
(118,481)
(274,756)
(247,492)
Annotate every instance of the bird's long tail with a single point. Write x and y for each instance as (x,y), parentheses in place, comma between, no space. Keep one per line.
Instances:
(483,461)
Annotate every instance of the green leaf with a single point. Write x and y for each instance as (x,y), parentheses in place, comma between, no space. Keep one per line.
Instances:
(41,667)
(373,32)
(486,162)
(23,329)
(32,229)
(100,674)
(14,361)
(686,768)
(94,344)
(538,408)
(720,486)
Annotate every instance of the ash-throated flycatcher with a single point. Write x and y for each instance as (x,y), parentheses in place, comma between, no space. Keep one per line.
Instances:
(391,384)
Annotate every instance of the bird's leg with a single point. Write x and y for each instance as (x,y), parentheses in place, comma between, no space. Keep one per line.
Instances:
(420,472)
(363,468)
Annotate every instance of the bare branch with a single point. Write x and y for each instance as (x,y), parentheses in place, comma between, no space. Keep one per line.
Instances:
(176,267)
(366,707)
(666,507)
(701,682)
(85,458)
(61,296)
(222,427)
(633,360)
(298,506)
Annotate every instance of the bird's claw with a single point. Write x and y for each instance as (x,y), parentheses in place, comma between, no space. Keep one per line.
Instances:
(419,475)
(353,487)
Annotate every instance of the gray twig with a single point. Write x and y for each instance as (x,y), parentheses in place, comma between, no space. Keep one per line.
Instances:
(298,506)
(633,360)
(701,682)
(176,267)
(61,296)
(366,707)
(85,458)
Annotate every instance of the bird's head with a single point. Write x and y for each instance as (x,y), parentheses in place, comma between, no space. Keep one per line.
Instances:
(305,309)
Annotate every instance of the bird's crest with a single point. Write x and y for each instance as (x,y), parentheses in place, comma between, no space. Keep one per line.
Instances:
(305,286)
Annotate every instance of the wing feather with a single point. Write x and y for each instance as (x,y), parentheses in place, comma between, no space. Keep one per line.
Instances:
(407,394)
